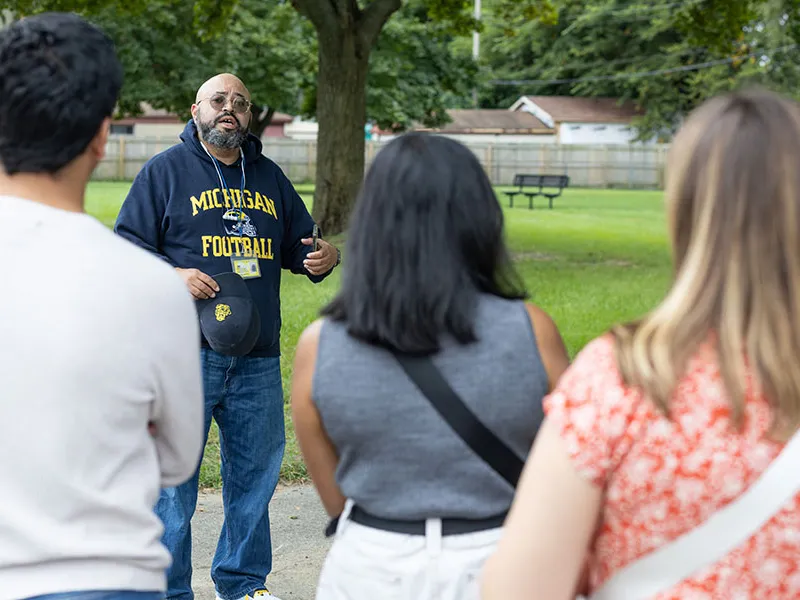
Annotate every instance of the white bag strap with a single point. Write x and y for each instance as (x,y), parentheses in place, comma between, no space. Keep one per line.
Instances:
(725,530)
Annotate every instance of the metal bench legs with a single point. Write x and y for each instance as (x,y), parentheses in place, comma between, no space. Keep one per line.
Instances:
(551,196)
(511,198)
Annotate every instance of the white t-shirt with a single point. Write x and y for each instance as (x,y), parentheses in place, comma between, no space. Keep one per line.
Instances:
(97,337)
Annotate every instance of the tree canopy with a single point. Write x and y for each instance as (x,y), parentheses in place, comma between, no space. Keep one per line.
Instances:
(266,44)
(348,32)
(667,56)
(400,62)
(207,18)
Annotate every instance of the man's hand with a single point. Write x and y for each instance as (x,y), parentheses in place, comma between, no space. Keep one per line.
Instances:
(200,285)
(322,260)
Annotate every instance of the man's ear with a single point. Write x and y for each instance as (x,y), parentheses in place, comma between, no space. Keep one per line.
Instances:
(97,147)
(194,111)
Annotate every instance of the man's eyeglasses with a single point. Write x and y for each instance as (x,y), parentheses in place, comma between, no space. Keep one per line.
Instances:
(218,102)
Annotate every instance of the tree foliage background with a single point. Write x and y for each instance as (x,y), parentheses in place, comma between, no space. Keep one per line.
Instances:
(667,56)
(401,62)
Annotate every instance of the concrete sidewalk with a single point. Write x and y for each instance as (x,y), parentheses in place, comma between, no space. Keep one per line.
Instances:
(298,542)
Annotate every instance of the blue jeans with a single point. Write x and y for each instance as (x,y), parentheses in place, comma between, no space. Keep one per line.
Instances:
(244,395)
(102,595)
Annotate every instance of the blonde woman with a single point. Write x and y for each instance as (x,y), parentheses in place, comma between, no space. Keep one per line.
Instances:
(670,420)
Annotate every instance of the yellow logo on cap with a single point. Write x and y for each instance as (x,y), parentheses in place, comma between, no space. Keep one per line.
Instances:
(222,312)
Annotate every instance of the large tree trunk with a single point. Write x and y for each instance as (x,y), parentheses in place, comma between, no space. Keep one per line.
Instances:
(346,35)
(262,117)
(341,114)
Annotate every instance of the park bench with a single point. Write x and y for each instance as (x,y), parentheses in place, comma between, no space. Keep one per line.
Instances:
(534,185)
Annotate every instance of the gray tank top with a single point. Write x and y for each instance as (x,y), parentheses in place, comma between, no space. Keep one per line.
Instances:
(398,459)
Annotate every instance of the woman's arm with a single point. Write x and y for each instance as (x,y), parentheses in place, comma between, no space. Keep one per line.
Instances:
(548,530)
(551,347)
(317,449)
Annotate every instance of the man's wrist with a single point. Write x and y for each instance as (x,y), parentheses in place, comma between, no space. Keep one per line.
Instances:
(338,258)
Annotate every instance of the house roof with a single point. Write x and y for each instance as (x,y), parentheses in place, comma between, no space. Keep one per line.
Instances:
(586,110)
(280,118)
(157,115)
(149,115)
(491,121)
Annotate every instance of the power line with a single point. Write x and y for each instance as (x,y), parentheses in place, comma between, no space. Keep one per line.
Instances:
(617,11)
(634,11)
(639,12)
(626,61)
(637,6)
(655,73)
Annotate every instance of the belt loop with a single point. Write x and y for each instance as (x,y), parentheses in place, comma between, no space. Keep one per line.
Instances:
(348,506)
(433,536)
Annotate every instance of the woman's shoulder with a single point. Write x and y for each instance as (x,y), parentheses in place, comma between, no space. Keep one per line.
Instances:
(594,369)
(599,350)
(327,337)
(541,320)
(551,346)
(311,334)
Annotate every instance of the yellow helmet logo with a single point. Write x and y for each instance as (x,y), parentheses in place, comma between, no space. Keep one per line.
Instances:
(222,312)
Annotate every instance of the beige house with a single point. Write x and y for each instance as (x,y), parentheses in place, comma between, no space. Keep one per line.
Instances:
(494,125)
(583,120)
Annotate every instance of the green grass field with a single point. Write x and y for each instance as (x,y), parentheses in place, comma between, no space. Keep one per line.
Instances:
(599,257)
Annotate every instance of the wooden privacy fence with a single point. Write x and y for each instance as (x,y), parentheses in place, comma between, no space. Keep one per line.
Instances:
(596,166)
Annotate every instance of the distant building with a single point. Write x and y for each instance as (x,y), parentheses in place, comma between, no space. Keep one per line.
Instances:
(160,124)
(536,120)
(301,129)
(583,120)
(494,125)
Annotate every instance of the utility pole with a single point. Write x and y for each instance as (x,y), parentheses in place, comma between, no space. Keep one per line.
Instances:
(476,47)
(476,37)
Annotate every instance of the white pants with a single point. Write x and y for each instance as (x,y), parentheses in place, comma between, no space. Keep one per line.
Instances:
(371,564)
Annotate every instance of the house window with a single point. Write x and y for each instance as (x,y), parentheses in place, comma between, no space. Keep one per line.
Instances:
(600,128)
(121,129)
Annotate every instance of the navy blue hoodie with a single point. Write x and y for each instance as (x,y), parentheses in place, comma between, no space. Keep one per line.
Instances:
(178,209)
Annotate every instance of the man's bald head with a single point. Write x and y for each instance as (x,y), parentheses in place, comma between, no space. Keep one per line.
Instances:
(225,83)
(222,111)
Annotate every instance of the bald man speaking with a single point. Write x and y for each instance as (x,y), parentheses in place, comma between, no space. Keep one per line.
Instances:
(228,220)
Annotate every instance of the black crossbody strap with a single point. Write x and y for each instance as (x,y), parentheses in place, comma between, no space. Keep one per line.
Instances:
(461,419)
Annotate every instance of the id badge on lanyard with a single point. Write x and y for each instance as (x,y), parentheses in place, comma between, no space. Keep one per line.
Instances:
(246,265)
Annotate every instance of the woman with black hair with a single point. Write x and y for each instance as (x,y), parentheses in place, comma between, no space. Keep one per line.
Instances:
(429,328)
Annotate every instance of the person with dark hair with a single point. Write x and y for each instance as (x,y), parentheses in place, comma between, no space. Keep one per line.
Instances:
(101,386)
(429,327)
(212,207)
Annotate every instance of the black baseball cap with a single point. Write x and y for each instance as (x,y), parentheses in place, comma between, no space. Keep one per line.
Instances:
(230,321)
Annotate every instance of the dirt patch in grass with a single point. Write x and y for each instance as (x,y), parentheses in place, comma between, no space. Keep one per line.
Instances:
(617,263)
(540,256)
(543,257)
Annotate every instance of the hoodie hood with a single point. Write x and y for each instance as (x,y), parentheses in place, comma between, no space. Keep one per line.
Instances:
(252,146)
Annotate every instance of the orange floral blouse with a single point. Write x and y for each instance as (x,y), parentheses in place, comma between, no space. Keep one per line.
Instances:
(664,477)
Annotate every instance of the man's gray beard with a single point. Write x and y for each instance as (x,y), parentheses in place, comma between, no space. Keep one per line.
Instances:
(227,140)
